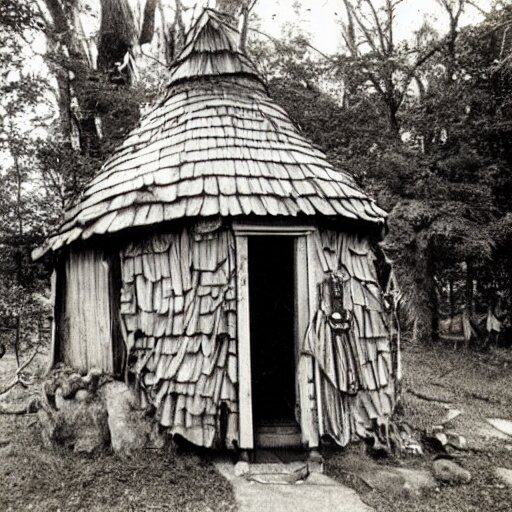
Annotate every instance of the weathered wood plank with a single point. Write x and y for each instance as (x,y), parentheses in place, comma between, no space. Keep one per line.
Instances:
(302,315)
(244,345)
(313,300)
(88,340)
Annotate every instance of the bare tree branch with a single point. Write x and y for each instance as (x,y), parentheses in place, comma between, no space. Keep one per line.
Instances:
(414,68)
(277,43)
(477,7)
(367,34)
(378,26)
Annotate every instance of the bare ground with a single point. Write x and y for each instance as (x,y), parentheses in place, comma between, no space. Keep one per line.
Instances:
(35,479)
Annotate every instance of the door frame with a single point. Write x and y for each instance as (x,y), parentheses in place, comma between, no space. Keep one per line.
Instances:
(304,301)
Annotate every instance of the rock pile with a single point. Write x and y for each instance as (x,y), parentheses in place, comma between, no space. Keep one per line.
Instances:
(93,413)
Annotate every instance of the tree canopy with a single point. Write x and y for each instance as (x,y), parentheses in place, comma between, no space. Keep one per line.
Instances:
(423,124)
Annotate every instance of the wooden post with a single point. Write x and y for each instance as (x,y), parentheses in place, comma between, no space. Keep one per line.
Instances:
(304,366)
(310,243)
(244,344)
(53,339)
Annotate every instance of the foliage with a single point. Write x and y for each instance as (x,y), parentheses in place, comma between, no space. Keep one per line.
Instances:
(24,212)
(423,126)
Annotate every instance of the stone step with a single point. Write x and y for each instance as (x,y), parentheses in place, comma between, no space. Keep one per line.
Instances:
(278,436)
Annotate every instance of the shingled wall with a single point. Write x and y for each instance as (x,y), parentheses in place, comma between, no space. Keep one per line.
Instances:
(178,306)
(357,373)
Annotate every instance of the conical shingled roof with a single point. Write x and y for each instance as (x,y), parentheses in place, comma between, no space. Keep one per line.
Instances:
(216,145)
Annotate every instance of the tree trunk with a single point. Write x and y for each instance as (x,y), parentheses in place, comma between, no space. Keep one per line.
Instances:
(118,34)
(469,289)
(451,298)
(64,102)
(148,22)
(433,302)
(415,330)
(17,340)
(64,32)
(245,28)
(393,123)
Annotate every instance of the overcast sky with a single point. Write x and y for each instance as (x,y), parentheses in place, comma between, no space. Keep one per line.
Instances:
(321,17)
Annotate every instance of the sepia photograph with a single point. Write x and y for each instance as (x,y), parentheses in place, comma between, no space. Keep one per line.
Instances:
(255,255)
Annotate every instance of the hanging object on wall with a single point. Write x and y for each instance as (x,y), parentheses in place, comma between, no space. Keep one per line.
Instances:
(340,318)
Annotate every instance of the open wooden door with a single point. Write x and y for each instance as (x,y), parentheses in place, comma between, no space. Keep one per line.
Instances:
(273,314)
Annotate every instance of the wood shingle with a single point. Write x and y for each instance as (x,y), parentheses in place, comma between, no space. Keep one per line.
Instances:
(215,145)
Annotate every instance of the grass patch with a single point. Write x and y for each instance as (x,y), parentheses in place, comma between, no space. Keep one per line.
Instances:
(478,385)
(35,479)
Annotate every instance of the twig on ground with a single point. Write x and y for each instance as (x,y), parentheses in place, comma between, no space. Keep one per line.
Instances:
(357,477)
(27,408)
(423,396)
(478,396)
(18,379)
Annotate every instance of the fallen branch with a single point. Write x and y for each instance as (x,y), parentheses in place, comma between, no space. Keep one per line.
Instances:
(483,398)
(27,408)
(18,378)
(429,398)
(355,476)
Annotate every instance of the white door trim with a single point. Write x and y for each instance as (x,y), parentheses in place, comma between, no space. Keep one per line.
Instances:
(302,307)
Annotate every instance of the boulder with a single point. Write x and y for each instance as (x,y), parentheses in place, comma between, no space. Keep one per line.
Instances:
(450,416)
(502,425)
(442,438)
(457,441)
(242,468)
(71,416)
(505,475)
(76,425)
(82,395)
(130,428)
(449,472)
(399,481)
(91,413)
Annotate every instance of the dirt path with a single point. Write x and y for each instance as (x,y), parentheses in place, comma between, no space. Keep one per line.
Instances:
(317,493)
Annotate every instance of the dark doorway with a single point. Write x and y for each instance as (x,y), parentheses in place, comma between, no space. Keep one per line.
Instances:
(272,319)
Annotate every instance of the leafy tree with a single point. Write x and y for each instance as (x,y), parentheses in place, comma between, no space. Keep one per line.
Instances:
(397,117)
(24,212)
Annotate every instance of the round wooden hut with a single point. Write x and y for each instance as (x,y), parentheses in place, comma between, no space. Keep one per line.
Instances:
(223,267)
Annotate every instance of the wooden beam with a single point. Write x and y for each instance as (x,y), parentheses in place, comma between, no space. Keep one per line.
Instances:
(244,345)
(302,317)
(312,284)
(251,228)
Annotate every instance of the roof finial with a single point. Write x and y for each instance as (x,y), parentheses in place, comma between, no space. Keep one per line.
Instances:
(212,48)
